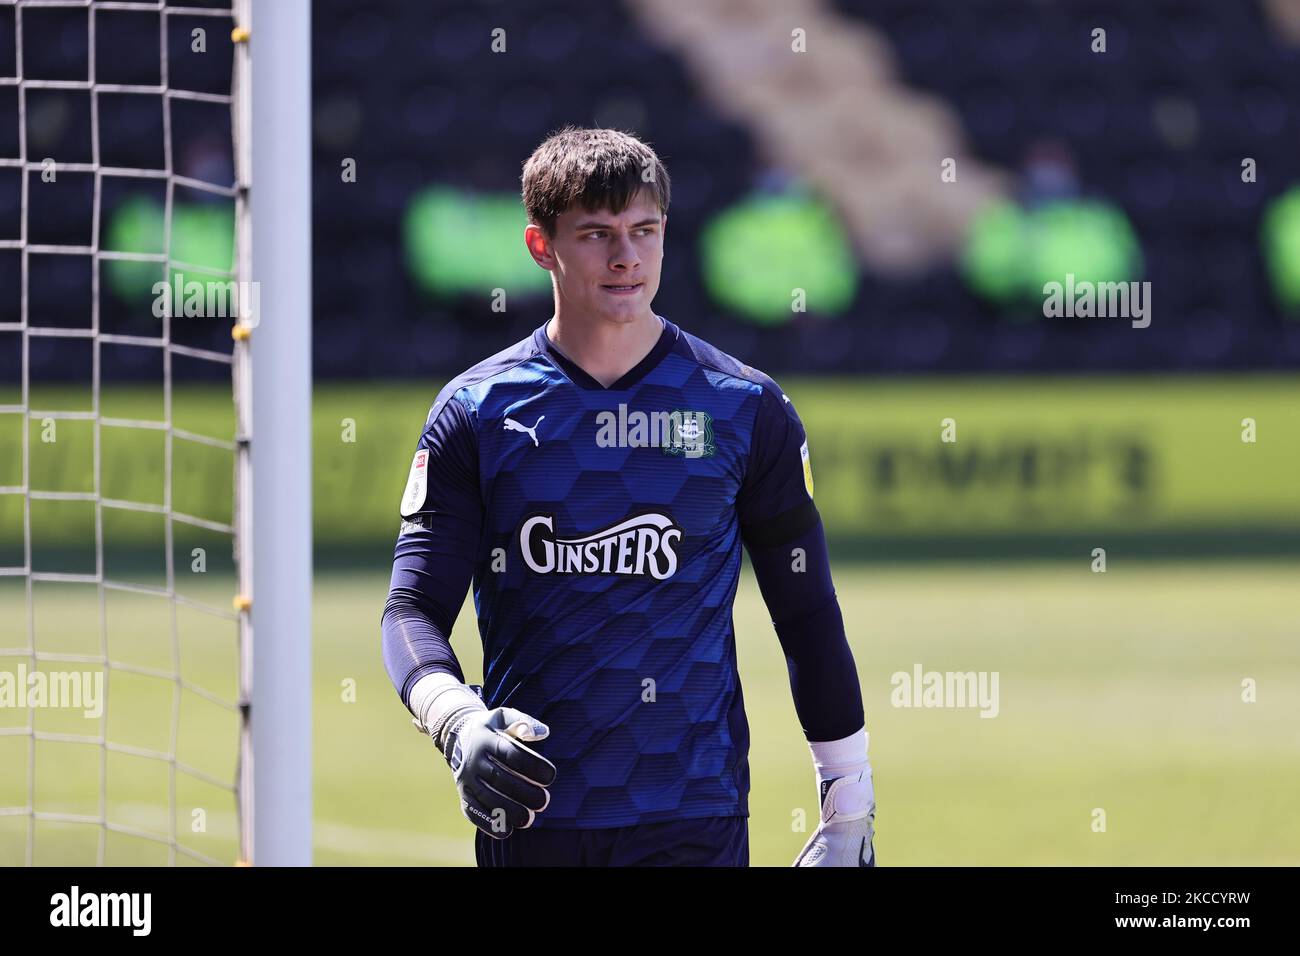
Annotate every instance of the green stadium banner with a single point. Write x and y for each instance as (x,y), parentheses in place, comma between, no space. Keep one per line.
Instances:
(1182,465)
(1053,459)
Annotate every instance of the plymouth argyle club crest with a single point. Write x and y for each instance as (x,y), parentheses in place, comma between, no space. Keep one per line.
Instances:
(691,434)
(686,432)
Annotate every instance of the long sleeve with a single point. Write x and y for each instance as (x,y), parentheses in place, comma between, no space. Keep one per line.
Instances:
(786,541)
(433,563)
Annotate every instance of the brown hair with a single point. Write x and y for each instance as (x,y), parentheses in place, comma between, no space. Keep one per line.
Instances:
(592,168)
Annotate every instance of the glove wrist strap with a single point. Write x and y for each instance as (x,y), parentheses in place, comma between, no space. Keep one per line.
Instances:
(436,698)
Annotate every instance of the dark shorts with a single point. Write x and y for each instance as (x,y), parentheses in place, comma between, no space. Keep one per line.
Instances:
(709,841)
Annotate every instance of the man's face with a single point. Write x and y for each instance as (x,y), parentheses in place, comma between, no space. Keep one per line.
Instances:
(605,266)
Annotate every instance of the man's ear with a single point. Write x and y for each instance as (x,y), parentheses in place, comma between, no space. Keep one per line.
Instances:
(539,246)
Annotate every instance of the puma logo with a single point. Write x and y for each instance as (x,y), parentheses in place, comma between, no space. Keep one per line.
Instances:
(513,426)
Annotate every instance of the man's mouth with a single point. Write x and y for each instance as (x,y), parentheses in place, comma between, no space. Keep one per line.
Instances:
(623,289)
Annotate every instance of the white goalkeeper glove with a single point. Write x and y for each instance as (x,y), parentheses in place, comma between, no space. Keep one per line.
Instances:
(848,805)
(502,782)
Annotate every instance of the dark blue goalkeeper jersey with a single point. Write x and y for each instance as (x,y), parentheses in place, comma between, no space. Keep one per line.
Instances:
(603,528)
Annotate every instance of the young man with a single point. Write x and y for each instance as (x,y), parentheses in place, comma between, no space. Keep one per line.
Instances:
(597,480)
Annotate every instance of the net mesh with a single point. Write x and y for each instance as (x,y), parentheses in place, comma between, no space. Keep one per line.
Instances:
(151,773)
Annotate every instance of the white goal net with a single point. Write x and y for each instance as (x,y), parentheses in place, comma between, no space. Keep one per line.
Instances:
(125,477)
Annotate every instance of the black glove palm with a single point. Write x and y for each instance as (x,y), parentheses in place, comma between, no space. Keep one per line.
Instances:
(502,782)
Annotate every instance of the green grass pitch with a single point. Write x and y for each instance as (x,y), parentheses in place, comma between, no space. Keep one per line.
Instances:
(1119,692)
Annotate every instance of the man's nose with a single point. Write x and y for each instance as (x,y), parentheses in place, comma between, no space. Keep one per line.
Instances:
(626,253)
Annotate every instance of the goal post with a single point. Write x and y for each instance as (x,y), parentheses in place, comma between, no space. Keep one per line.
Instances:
(172,704)
(273,398)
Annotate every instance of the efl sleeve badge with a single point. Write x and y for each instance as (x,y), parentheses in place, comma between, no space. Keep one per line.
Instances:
(416,484)
(807,468)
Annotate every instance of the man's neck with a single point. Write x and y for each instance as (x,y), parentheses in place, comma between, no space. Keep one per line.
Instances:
(605,350)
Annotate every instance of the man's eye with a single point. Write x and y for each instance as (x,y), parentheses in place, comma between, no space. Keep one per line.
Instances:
(602,233)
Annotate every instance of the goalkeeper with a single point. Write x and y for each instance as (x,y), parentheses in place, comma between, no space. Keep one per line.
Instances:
(596,481)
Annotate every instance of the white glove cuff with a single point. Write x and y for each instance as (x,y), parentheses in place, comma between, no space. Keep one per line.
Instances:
(851,795)
(435,697)
(840,758)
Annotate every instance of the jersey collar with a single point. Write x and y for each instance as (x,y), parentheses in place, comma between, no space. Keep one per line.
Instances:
(667,339)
